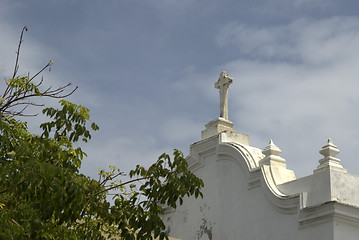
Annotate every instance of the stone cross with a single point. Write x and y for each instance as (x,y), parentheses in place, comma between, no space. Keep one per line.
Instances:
(222,84)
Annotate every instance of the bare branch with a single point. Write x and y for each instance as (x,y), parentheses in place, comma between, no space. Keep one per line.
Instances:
(17,223)
(20,93)
(121,184)
(42,79)
(18,52)
(46,66)
(110,177)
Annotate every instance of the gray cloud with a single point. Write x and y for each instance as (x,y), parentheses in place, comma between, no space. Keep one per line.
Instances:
(146,70)
(300,103)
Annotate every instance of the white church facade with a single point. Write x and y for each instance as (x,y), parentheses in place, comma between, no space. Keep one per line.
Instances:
(249,194)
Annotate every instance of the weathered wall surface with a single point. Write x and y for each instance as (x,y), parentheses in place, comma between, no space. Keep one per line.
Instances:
(248,195)
(229,210)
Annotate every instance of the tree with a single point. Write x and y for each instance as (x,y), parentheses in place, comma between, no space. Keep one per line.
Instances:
(42,193)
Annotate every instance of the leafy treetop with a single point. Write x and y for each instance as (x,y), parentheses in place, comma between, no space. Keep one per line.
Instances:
(44,196)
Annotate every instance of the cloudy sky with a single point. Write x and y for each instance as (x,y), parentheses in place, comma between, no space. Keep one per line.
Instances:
(146,70)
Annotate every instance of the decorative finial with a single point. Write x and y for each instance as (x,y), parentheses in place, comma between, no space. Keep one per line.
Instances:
(222,84)
(271,149)
(329,150)
(272,154)
(329,161)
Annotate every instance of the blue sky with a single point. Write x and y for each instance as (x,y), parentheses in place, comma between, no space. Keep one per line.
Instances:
(146,70)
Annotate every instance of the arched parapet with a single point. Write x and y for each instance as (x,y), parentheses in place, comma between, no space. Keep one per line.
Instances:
(246,156)
(283,202)
(264,169)
(217,143)
(260,174)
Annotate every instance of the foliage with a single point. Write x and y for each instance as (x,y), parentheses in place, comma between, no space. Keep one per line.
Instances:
(20,91)
(42,193)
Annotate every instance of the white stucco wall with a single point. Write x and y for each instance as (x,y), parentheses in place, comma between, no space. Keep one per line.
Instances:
(246,197)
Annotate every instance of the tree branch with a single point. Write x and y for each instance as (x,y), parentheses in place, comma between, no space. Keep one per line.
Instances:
(120,185)
(19,90)
(18,52)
